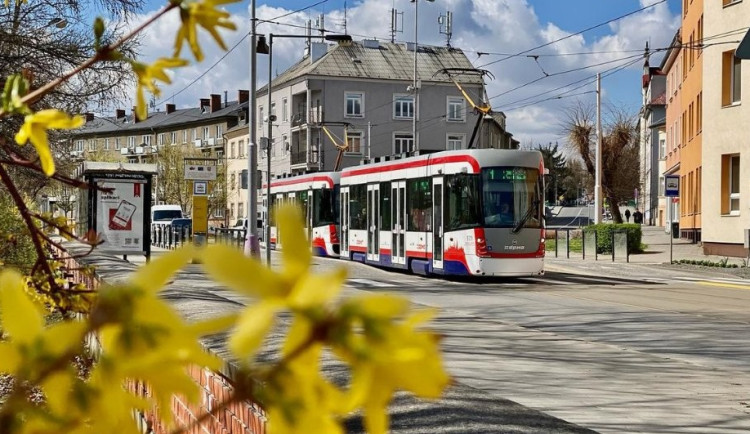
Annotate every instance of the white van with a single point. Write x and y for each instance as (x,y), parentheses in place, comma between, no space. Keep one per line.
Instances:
(164,214)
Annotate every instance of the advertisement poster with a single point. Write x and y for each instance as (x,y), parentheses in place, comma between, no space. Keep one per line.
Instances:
(120,216)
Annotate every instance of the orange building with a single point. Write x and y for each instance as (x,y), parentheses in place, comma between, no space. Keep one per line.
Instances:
(690,115)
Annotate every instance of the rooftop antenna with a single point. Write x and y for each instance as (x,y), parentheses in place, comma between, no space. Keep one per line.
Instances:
(320,23)
(394,23)
(308,32)
(446,26)
(345,32)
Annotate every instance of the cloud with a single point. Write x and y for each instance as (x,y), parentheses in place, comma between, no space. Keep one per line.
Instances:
(497,27)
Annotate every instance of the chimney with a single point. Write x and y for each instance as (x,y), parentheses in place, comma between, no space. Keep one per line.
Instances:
(89,117)
(135,118)
(317,50)
(243,96)
(119,114)
(205,102)
(170,108)
(215,102)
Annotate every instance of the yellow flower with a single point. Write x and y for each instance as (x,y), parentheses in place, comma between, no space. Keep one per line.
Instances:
(35,128)
(294,287)
(206,15)
(147,76)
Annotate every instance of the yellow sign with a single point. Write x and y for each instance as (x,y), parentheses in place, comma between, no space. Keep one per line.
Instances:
(200,215)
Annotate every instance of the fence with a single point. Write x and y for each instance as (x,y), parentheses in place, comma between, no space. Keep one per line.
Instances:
(230,236)
(169,237)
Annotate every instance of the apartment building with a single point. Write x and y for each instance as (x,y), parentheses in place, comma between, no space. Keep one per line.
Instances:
(671,66)
(194,132)
(691,122)
(353,101)
(652,124)
(726,147)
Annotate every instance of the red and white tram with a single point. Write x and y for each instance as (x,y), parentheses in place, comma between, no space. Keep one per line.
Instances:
(472,212)
(317,194)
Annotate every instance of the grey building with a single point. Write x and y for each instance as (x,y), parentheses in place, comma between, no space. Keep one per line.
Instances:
(359,96)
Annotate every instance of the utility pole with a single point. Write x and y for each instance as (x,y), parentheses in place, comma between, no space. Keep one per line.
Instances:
(252,247)
(598,177)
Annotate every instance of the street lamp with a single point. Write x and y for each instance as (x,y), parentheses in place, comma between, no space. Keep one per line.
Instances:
(271,118)
(415,88)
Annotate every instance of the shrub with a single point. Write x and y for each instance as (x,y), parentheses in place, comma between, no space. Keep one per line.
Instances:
(604,236)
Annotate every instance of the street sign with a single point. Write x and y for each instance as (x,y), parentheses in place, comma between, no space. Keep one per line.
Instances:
(672,185)
(200,172)
(200,188)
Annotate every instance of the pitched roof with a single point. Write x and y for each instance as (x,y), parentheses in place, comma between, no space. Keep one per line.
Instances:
(382,61)
(157,120)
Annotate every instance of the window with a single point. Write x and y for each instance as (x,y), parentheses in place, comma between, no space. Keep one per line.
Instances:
(219,131)
(662,148)
(402,143)
(231,150)
(206,133)
(260,117)
(690,122)
(284,145)
(92,144)
(273,147)
(358,207)
(455,142)
(240,210)
(419,204)
(146,140)
(462,202)
(232,181)
(700,36)
(661,186)
(456,109)
(241,148)
(730,184)
(131,142)
(160,140)
(284,110)
(117,143)
(354,142)
(699,113)
(385,205)
(355,104)
(325,207)
(220,156)
(698,189)
(106,144)
(730,79)
(173,138)
(231,211)
(403,106)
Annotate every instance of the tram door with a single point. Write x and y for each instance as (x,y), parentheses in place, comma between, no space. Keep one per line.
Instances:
(437,223)
(345,220)
(398,221)
(309,214)
(373,220)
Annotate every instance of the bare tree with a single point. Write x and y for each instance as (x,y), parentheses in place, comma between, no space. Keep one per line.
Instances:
(620,164)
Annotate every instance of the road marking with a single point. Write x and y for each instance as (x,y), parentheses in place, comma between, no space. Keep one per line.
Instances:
(723,285)
(370,283)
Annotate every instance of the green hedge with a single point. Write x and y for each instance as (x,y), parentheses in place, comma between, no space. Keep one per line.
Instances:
(604,236)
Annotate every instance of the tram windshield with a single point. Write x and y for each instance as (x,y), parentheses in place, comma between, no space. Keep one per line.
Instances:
(326,205)
(511,197)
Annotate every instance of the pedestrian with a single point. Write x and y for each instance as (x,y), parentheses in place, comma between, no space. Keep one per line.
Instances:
(627,216)
(637,217)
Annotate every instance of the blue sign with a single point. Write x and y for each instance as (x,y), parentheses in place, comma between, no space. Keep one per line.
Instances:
(672,185)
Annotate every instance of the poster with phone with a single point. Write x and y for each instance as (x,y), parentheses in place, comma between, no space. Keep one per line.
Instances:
(120,215)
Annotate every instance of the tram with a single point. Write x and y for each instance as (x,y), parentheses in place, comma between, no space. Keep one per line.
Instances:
(471,212)
(317,194)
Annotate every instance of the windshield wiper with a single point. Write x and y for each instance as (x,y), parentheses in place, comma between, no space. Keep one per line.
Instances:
(526,217)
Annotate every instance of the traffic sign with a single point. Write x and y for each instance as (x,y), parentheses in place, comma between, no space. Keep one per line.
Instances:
(200,188)
(672,185)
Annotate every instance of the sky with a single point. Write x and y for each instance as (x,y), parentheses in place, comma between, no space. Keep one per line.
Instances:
(537,50)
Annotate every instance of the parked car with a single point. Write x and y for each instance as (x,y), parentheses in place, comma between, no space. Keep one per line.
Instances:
(164,214)
(242,224)
(180,223)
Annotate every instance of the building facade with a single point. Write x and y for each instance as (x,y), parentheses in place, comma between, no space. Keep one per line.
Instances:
(672,67)
(652,120)
(726,148)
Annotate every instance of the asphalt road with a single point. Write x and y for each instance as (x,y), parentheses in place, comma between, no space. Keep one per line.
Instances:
(616,348)
(621,349)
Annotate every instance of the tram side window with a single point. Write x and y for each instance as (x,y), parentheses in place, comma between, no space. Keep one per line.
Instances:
(325,211)
(272,210)
(385,205)
(462,204)
(419,204)
(358,206)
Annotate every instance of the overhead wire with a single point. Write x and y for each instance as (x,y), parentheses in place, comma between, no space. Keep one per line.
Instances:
(572,34)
